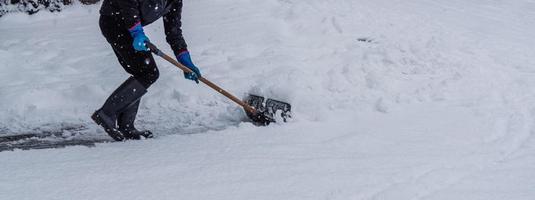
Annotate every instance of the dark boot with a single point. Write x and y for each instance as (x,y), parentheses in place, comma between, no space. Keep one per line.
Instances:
(127,93)
(126,120)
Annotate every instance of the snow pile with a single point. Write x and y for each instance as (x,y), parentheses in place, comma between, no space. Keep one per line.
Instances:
(392,100)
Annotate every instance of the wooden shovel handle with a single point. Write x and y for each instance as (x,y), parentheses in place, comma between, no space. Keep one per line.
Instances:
(245,106)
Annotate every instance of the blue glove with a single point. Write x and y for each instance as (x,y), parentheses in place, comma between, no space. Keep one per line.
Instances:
(185,59)
(139,38)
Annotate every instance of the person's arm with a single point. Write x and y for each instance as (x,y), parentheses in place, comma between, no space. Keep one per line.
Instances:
(173,32)
(173,29)
(129,12)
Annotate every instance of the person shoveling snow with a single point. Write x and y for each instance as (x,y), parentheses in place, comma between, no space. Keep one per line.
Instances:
(121,23)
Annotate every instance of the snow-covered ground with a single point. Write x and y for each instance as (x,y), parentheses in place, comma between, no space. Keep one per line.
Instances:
(415,99)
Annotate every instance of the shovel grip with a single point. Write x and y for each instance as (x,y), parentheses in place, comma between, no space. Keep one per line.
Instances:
(158,52)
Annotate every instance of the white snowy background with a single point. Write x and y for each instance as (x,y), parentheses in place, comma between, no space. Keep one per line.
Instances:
(413,99)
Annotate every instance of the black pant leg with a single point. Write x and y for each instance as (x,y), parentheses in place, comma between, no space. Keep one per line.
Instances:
(141,65)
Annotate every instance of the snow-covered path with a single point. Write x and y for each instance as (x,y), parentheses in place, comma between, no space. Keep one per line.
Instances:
(419,99)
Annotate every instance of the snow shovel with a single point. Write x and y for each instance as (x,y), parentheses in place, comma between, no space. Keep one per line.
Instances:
(260,110)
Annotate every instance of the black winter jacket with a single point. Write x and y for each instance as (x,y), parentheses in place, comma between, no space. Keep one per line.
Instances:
(145,12)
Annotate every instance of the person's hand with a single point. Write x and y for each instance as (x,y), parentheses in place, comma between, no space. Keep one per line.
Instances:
(139,38)
(185,59)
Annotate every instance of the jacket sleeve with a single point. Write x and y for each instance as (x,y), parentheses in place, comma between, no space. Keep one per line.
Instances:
(173,30)
(129,12)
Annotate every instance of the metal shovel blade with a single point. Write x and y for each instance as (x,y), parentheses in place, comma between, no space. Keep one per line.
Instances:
(267,110)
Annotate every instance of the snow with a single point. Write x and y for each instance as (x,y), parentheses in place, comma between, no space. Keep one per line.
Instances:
(392,100)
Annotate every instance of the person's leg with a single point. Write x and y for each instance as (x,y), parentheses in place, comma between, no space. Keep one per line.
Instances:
(125,99)
(128,92)
(139,64)
(126,121)
(143,68)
